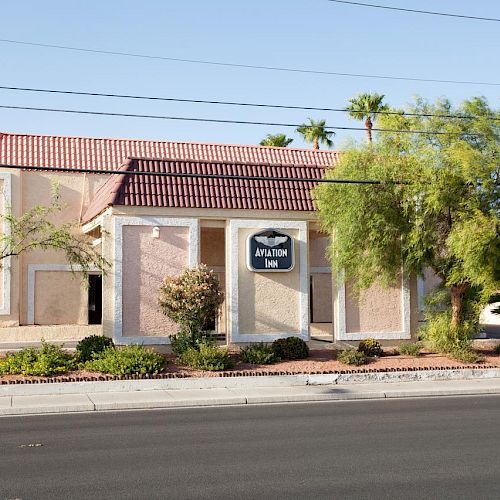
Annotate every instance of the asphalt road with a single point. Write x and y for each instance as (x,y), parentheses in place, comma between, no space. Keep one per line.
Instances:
(414,448)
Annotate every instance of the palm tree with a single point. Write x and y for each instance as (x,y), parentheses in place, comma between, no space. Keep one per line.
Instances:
(276,140)
(365,107)
(315,132)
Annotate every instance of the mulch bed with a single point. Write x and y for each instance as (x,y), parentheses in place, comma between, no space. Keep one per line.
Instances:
(319,362)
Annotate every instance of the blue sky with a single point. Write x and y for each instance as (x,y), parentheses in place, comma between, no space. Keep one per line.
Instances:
(314,34)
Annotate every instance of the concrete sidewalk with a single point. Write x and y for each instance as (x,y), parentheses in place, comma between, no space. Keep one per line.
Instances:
(129,395)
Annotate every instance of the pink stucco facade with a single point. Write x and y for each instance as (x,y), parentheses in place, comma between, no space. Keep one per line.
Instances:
(146,262)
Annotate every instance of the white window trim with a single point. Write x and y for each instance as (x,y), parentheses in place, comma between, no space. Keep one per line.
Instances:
(341,329)
(233,276)
(6,264)
(193,257)
(32,269)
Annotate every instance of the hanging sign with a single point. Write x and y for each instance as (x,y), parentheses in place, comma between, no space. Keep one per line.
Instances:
(270,251)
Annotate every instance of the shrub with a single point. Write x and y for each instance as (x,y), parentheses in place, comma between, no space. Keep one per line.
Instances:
(466,356)
(47,360)
(290,348)
(370,347)
(127,360)
(351,357)
(497,349)
(207,357)
(442,337)
(191,299)
(258,354)
(410,349)
(90,345)
(180,343)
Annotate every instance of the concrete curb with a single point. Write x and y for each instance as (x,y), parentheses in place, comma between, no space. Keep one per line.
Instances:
(244,382)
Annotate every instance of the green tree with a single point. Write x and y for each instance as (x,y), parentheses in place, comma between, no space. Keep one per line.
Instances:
(315,132)
(438,206)
(366,107)
(276,140)
(35,230)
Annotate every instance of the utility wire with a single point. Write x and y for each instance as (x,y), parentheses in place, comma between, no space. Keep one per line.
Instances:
(415,11)
(214,120)
(247,66)
(199,176)
(230,103)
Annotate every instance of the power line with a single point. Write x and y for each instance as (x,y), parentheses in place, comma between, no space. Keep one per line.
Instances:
(229,103)
(247,66)
(215,120)
(199,176)
(415,11)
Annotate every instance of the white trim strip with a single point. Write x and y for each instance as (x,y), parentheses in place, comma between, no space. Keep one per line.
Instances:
(321,270)
(6,263)
(32,269)
(193,257)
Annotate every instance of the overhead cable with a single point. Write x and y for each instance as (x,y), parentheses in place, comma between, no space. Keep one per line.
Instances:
(247,66)
(416,11)
(200,176)
(215,120)
(230,103)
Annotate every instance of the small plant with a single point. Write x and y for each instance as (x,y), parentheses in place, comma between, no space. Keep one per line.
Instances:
(94,344)
(49,359)
(497,349)
(410,349)
(290,348)
(127,360)
(467,356)
(351,357)
(258,354)
(207,357)
(370,347)
(180,343)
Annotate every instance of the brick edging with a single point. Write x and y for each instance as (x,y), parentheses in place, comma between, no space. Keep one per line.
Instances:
(237,373)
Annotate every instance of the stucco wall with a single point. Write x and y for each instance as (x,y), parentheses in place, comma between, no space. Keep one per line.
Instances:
(321,283)
(212,253)
(318,245)
(377,309)
(35,188)
(268,302)
(146,262)
(60,299)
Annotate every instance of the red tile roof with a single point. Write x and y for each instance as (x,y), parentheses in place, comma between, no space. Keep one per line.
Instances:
(102,154)
(161,191)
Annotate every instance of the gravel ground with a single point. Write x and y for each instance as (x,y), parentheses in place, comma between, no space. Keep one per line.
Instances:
(319,361)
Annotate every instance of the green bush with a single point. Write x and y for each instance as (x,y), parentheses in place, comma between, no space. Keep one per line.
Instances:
(207,356)
(290,348)
(497,349)
(410,349)
(180,342)
(258,354)
(127,360)
(90,345)
(370,347)
(191,299)
(466,355)
(47,360)
(351,357)
(440,335)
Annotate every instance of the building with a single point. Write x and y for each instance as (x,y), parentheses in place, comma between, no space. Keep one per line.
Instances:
(260,236)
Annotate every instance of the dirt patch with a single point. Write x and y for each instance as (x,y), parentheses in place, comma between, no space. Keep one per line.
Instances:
(319,361)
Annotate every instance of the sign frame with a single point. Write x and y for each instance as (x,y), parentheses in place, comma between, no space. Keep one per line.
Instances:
(249,253)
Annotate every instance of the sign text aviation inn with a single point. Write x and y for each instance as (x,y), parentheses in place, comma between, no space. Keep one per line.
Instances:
(270,251)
